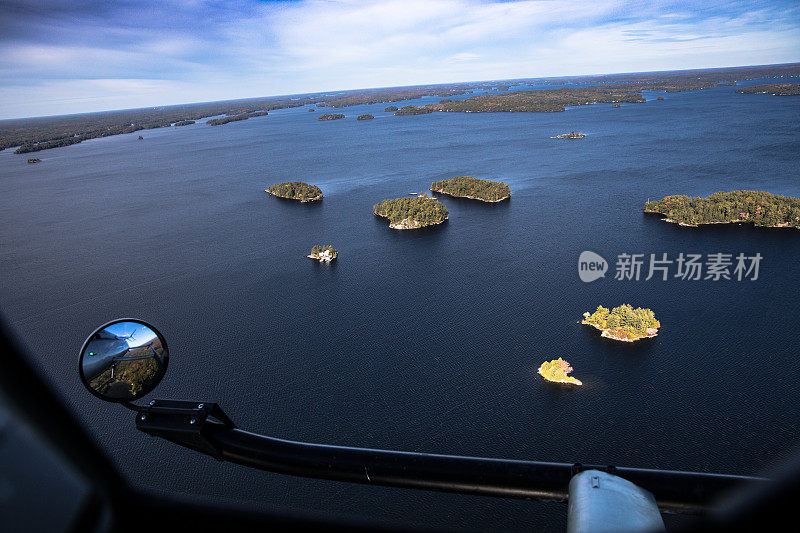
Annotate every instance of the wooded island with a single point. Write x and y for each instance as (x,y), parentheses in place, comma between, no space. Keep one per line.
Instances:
(757,207)
(411,213)
(623,323)
(473,188)
(557,370)
(323,254)
(296,190)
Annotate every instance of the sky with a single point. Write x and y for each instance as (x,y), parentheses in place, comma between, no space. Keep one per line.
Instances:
(87,55)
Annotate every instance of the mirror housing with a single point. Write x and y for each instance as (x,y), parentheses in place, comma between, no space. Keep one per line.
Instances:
(123,360)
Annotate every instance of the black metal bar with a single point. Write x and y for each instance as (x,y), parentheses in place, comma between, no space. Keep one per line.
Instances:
(676,492)
(209,430)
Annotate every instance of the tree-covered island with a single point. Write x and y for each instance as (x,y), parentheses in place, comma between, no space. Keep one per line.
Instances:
(323,254)
(296,190)
(184,123)
(330,116)
(557,370)
(364,117)
(391,108)
(32,160)
(411,213)
(473,188)
(235,118)
(775,89)
(623,323)
(756,207)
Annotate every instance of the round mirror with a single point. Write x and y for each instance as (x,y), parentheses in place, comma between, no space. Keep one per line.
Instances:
(123,360)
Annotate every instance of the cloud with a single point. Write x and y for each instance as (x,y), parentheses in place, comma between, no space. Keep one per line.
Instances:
(53,54)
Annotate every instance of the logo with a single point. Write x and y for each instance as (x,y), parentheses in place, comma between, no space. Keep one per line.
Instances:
(591,266)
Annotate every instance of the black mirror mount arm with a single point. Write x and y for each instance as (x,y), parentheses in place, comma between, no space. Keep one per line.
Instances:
(189,424)
(204,427)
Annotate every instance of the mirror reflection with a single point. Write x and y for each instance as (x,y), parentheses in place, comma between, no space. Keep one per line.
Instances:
(123,360)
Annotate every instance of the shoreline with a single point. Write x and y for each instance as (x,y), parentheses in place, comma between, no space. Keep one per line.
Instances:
(316,257)
(469,197)
(784,225)
(316,198)
(606,333)
(396,225)
(576,382)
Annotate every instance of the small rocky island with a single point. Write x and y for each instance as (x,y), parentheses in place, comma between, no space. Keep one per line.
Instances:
(391,108)
(623,323)
(556,371)
(330,116)
(754,207)
(296,190)
(32,160)
(617,105)
(660,98)
(570,135)
(323,254)
(473,188)
(412,213)
(364,117)
(775,89)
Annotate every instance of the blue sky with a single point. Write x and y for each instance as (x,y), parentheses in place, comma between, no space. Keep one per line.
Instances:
(86,55)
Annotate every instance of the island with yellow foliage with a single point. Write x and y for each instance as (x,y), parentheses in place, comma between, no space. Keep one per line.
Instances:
(623,323)
(556,371)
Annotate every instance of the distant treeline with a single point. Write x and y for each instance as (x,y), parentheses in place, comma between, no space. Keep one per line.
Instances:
(35,134)
(376,96)
(543,101)
(760,208)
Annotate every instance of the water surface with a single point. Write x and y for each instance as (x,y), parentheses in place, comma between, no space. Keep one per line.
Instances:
(421,341)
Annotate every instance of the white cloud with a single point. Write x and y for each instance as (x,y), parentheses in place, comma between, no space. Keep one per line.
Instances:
(318,45)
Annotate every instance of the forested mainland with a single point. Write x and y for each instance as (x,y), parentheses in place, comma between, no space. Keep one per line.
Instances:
(775,89)
(33,134)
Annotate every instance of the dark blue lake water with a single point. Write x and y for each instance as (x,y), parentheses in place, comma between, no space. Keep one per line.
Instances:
(429,340)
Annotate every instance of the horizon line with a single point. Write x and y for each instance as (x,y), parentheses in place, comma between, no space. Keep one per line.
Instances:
(563,76)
